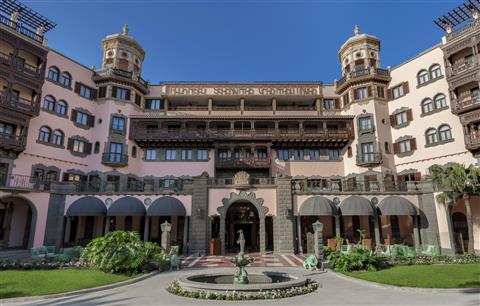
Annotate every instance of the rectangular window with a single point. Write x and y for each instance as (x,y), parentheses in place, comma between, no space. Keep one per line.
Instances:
(81,118)
(118,124)
(404,146)
(168,183)
(85,91)
(367,152)
(398,91)
(102,92)
(333,154)
(262,154)
(78,146)
(298,154)
(361,93)
(282,154)
(365,123)
(401,118)
(328,104)
(171,154)
(6,128)
(186,154)
(153,104)
(151,154)
(314,154)
(222,154)
(122,94)
(115,153)
(202,154)
(380,92)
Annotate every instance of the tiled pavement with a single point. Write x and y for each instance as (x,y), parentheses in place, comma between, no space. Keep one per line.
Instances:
(283,260)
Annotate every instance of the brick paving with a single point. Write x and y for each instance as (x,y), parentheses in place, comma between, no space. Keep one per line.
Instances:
(283,260)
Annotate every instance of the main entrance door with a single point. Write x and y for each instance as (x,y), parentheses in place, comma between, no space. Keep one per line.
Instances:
(242,216)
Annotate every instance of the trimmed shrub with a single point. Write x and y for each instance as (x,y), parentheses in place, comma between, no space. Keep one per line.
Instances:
(358,259)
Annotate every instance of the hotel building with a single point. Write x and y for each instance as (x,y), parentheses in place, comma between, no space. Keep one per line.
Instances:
(85,151)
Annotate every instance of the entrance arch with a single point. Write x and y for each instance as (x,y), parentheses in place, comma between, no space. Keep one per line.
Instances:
(19,219)
(243,197)
(460,231)
(242,216)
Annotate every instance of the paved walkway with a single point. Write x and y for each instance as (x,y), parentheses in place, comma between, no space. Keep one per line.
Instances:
(269,261)
(333,290)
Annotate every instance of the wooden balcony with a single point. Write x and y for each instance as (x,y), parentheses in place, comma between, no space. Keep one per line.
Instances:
(12,142)
(19,104)
(19,183)
(465,104)
(371,159)
(462,66)
(25,74)
(360,75)
(18,27)
(472,141)
(122,75)
(242,163)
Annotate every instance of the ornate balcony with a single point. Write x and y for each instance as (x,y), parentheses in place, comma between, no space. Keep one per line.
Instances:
(20,104)
(362,75)
(465,104)
(242,163)
(122,75)
(15,182)
(114,159)
(12,142)
(369,159)
(21,29)
(463,66)
(472,141)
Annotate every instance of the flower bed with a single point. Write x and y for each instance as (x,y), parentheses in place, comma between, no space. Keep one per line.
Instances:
(48,263)
(310,286)
(430,260)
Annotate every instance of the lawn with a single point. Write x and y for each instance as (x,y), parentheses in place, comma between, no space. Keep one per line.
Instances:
(426,276)
(15,283)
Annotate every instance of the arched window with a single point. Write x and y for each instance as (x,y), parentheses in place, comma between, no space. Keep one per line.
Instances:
(440,101)
(44,134)
(49,103)
(51,176)
(61,107)
(427,106)
(431,136)
(422,77)
(445,132)
(435,71)
(53,74)
(58,137)
(66,79)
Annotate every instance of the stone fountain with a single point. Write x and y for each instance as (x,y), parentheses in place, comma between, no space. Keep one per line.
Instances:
(240,262)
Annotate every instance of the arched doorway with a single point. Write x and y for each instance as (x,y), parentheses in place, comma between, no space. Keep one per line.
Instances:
(18,218)
(242,216)
(460,231)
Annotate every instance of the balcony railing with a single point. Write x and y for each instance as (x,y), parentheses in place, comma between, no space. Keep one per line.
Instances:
(20,66)
(5,59)
(315,186)
(15,102)
(241,163)
(23,183)
(465,103)
(10,141)
(471,25)
(463,66)
(362,73)
(472,140)
(369,159)
(251,181)
(115,159)
(143,134)
(21,29)
(130,186)
(122,73)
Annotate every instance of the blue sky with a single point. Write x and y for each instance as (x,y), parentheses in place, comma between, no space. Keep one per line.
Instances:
(242,41)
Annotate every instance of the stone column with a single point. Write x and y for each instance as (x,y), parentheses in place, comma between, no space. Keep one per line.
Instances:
(376,229)
(222,234)
(299,234)
(165,241)
(274,105)
(7,224)
(263,247)
(199,220)
(107,225)
(283,221)
(416,234)
(242,105)
(146,229)
(338,231)
(210,105)
(68,226)
(165,105)
(318,239)
(185,235)
(318,105)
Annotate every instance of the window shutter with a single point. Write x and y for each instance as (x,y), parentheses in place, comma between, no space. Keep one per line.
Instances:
(413,144)
(396,148)
(392,120)
(77,87)
(409,115)
(138,99)
(94,94)
(114,91)
(389,94)
(73,117)
(355,94)
(369,91)
(70,144)
(88,148)
(128,95)
(405,88)
(336,103)
(91,121)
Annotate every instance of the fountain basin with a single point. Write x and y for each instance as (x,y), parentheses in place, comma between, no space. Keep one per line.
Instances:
(221,282)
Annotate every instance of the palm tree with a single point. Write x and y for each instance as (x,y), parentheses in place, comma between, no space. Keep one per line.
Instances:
(457,182)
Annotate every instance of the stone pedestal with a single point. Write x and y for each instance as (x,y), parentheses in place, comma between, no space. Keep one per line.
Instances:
(310,243)
(165,242)
(318,239)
